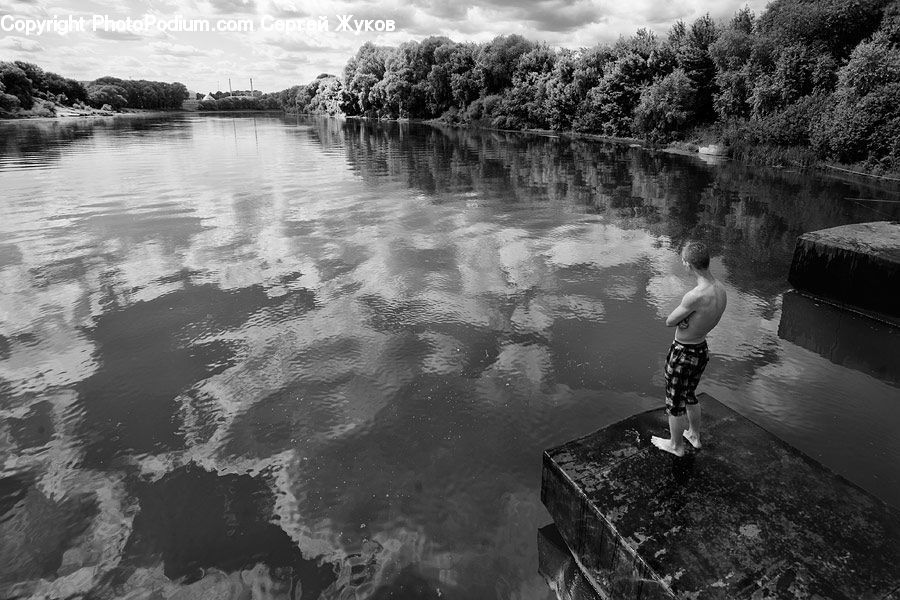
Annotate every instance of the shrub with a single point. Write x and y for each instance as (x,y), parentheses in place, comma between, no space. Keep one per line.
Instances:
(871,66)
(863,123)
(860,129)
(792,125)
(103,94)
(666,106)
(17,83)
(608,108)
(8,102)
(474,111)
(732,100)
(42,108)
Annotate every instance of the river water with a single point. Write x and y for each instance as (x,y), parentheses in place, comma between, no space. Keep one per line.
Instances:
(312,357)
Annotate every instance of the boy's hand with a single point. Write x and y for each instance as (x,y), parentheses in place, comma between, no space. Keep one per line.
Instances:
(684,323)
(679,316)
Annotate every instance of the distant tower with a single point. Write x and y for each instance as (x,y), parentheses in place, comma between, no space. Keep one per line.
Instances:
(251,86)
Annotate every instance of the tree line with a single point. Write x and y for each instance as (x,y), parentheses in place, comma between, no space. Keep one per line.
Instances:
(23,85)
(325,95)
(239,100)
(805,80)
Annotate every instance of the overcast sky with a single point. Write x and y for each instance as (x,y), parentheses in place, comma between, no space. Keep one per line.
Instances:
(278,59)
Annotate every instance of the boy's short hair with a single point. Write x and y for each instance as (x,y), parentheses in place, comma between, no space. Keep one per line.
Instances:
(696,254)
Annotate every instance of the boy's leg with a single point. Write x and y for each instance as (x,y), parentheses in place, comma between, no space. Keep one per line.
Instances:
(677,424)
(692,433)
(693,407)
(675,443)
(674,406)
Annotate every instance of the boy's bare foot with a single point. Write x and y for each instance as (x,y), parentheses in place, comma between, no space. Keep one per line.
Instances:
(693,438)
(667,445)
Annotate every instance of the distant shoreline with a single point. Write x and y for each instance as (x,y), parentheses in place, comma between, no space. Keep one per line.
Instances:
(65,113)
(269,111)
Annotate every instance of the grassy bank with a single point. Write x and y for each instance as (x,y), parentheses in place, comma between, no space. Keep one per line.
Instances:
(45,109)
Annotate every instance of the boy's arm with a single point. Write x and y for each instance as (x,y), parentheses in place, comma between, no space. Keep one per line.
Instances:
(684,310)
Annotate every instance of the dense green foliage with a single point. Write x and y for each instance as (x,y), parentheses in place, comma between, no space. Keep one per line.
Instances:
(120,93)
(22,83)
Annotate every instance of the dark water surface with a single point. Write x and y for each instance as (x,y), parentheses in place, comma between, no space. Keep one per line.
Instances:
(321,357)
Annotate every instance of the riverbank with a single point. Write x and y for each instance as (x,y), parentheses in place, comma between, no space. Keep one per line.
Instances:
(61,112)
(761,157)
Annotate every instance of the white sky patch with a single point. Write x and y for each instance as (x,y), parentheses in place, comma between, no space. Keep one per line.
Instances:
(180,50)
(21,45)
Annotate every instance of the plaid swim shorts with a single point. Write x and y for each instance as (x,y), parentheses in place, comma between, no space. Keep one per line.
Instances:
(684,366)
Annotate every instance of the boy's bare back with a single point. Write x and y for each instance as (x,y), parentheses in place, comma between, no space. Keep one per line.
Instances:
(706,303)
(700,309)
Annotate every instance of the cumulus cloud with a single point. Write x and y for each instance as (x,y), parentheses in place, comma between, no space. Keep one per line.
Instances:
(8,6)
(295,43)
(24,45)
(540,15)
(563,16)
(117,36)
(178,50)
(232,6)
(283,9)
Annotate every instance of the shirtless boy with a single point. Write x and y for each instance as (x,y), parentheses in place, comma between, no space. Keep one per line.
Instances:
(699,311)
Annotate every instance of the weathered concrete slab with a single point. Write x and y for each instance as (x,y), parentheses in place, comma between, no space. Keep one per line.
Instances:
(560,569)
(857,265)
(843,337)
(748,516)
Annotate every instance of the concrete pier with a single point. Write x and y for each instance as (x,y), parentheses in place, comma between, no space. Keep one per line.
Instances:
(745,517)
(856,265)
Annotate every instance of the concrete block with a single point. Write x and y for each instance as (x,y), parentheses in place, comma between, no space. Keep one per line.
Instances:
(745,517)
(856,265)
